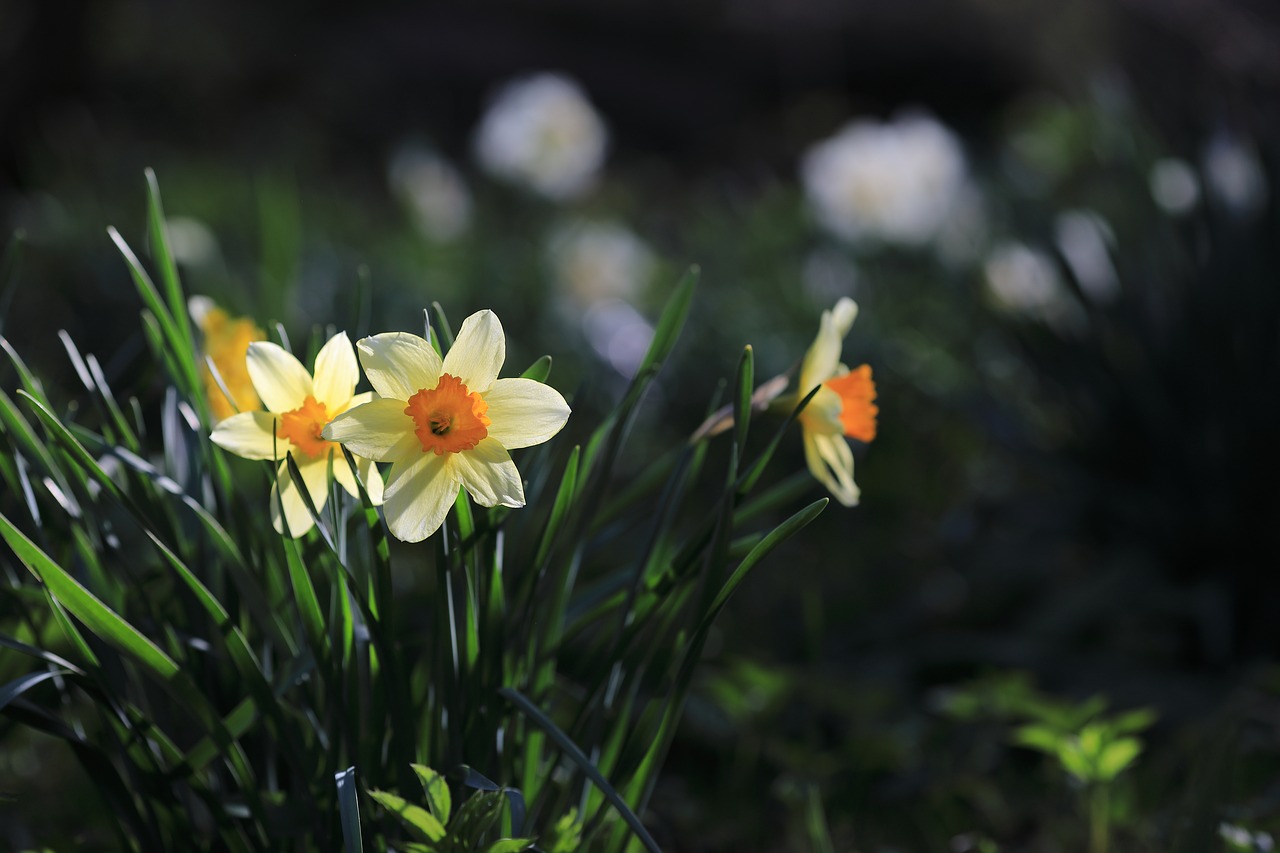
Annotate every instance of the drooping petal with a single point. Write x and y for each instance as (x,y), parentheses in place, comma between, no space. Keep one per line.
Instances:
(399,364)
(831,462)
(336,373)
(478,351)
(823,358)
(523,412)
(368,471)
(378,430)
(418,496)
(315,478)
(248,434)
(488,473)
(278,377)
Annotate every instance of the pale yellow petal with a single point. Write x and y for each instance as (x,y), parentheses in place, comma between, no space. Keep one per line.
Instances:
(523,412)
(336,373)
(489,475)
(316,481)
(418,496)
(378,430)
(831,462)
(399,364)
(369,476)
(248,434)
(823,358)
(477,352)
(280,379)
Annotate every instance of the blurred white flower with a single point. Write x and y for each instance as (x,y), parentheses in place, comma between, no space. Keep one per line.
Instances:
(618,333)
(894,181)
(1023,280)
(593,261)
(434,192)
(190,240)
(541,132)
(1084,238)
(1174,186)
(1234,174)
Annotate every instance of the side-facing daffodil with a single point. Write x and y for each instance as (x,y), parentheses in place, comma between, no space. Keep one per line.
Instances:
(445,424)
(226,342)
(843,406)
(298,408)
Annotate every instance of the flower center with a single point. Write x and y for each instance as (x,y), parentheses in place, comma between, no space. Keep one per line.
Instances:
(449,418)
(301,428)
(857,411)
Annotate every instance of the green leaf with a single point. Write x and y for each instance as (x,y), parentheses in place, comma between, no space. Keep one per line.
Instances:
(1133,721)
(671,322)
(776,537)
(437,790)
(18,686)
(96,616)
(509,845)
(163,256)
(534,713)
(539,370)
(441,328)
(742,399)
(1040,737)
(415,818)
(349,810)
(1116,756)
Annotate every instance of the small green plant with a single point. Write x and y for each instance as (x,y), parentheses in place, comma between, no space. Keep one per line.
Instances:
(1091,747)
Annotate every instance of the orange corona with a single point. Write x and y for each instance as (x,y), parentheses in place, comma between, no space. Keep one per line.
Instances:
(858,412)
(301,428)
(448,418)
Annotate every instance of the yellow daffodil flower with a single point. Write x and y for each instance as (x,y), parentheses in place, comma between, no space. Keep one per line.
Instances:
(445,424)
(226,341)
(843,406)
(298,408)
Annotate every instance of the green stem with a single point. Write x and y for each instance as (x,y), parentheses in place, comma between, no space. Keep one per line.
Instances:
(1099,818)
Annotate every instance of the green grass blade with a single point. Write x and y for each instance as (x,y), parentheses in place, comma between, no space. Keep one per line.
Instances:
(534,713)
(349,810)
(163,256)
(539,370)
(96,616)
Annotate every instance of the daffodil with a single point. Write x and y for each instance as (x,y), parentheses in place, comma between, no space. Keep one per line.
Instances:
(226,342)
(843,406)
(299,406)
(446,423)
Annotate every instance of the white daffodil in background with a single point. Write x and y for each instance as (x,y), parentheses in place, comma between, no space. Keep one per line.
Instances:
(446,423)
(541,132)
(298,408)
(843,406)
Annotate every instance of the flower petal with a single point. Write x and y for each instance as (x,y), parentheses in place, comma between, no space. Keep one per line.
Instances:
(336,373)
(368,471)
(418,496)
(248,434)
(823,358)
(399,364)
(478,351)
(523,412)
(378,430)
(488,473)
(315,478)
(279,378)
(831,462)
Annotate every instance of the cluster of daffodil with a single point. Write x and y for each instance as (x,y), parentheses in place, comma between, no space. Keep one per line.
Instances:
(443,424)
